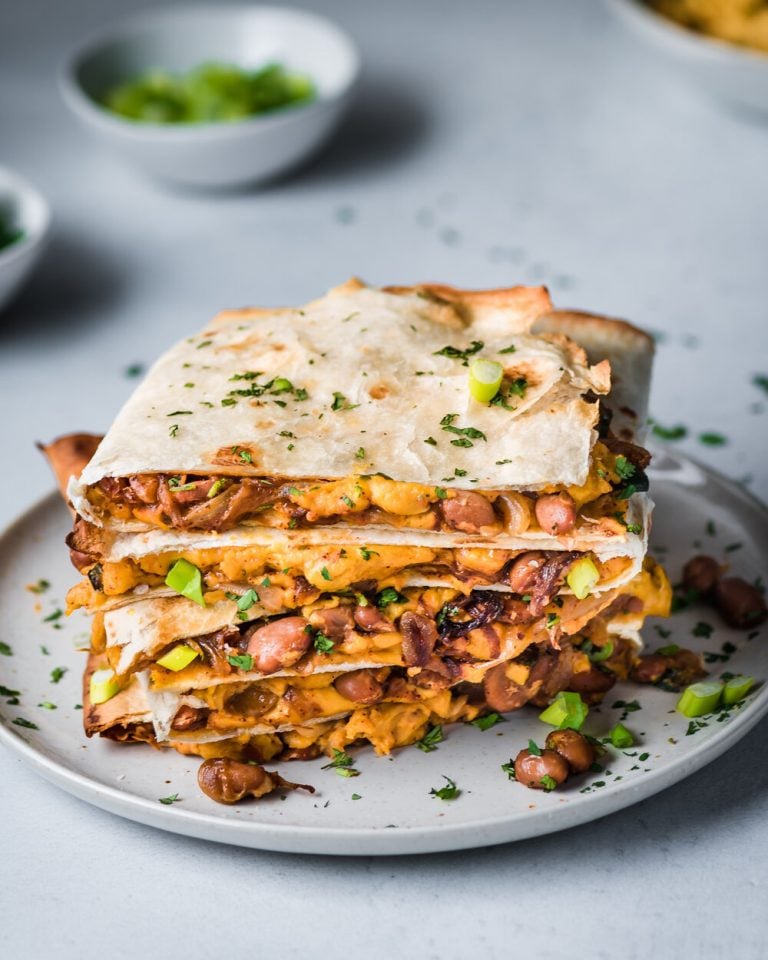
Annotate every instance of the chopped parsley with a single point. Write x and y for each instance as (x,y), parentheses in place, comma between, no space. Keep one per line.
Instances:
(456,353)
(245,602)
(55,615)
(366,554)
(40,587)
(173,430)
(712,439)
(449,792)
(174,798)
(360,453)
(510,349)
(509,769)
(57,673)
(548,783)
(441,493)
(670,433)
(624,468)
(243,661)
(324,573)
(702,629)
(348,501)
(389,595)
(5,649)
(431,441)
(245,455)
(534,749)
(180,413)
(21,722)
(342,764)
(47,705)
(134,370)
(340,402)
(322,644)
(488,721)
(760,380)
(430,740)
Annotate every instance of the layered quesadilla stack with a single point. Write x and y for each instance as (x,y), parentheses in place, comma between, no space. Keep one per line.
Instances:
(314,527)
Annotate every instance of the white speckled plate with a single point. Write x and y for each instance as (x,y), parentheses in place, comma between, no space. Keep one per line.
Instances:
(395,812)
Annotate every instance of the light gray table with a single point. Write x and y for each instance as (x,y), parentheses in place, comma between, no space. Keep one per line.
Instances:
(492,143)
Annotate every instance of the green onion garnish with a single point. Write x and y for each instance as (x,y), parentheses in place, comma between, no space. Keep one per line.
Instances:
(185,578)
(700,698)
(582,577)
(736,689)
(485,378)
(566,712)
(621,737)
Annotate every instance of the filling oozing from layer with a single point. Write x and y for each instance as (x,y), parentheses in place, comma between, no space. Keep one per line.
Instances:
(219,502)
(289,577)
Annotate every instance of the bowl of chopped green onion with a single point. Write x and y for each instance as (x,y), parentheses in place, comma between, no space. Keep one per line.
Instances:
(24,222)
(214,95)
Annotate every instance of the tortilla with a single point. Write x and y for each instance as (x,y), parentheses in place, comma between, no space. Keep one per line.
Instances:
(373,367)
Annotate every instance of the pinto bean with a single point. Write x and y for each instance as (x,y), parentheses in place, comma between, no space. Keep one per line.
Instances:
(574,747)
(501,693)
(650,668)
(372,620)
(419,638)
(360,686)
(278,644)
(524,570)
(228,781)
(252,702)
(189,718)
(556,513)
(530,769)
(592,681)
(333,621)
(677,669)
(467,511)
(740,604)
(515,510)
(701,574)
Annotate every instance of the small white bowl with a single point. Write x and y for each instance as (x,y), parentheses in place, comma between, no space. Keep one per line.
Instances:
(732,73)
(30,213)
(179,39)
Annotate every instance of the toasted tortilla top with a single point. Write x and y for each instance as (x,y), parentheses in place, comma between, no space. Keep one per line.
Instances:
(358,382)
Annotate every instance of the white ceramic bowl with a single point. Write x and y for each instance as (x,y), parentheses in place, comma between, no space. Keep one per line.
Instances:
(29,212)
(732,73)
(179,39)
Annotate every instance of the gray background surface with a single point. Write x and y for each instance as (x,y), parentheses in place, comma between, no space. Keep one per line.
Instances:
(492,143)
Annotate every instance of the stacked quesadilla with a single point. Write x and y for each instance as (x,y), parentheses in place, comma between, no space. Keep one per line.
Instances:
(304,530)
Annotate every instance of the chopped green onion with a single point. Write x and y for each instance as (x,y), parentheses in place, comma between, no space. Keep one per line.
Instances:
(185,578)
(179,657)
(566,712)
(485,378)
(621,737)
(736,689)
(582,577)
(598,654)
(700,698)
(102,686)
